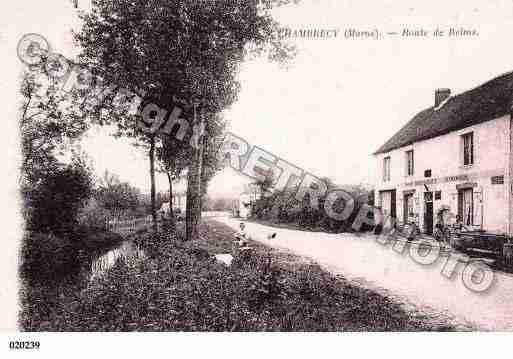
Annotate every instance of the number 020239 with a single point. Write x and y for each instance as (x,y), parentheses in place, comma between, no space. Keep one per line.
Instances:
(24,345)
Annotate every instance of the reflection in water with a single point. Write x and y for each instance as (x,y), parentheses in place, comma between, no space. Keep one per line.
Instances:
(128,251)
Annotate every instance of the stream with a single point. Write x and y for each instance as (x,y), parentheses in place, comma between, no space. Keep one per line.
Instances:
(126,250)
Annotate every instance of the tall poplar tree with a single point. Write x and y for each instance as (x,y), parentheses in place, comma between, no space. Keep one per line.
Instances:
(185,49)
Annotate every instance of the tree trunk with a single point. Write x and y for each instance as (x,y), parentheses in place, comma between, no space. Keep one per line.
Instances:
(152,177)
(201,176)
(193,196)
(193,202)
(171,212)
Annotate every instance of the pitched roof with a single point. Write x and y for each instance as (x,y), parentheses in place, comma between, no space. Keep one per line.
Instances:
(484,103)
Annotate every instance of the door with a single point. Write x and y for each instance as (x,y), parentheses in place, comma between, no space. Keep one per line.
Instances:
(408,207)
(466,206)
(393,205)
(388,203)
(428,213)
(385,201)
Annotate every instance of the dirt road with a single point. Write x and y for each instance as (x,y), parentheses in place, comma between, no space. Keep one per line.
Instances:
(372,264)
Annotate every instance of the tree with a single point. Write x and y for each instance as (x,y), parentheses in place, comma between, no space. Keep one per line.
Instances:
(115,195)
(131,43)
(169,163)
(48,125)
(265,184)
(53,203)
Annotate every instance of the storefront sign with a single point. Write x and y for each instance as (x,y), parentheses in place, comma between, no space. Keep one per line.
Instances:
(463,177)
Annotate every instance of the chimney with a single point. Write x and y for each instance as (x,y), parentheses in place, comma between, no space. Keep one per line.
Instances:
(441,95)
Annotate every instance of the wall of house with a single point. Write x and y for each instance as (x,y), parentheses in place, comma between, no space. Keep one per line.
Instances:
(443,155)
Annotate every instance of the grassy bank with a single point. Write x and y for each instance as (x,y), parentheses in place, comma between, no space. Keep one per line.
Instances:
(180,287)
(48,257)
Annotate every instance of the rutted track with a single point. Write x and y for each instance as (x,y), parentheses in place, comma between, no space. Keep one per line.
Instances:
(362,259)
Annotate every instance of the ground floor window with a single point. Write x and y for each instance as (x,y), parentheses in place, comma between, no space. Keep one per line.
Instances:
(466,206)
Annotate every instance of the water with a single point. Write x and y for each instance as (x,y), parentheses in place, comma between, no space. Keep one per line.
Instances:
(127,250)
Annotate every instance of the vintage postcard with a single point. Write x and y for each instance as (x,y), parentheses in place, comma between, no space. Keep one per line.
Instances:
(242,166)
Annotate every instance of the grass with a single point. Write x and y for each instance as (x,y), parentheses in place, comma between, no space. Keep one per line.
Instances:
(180,287)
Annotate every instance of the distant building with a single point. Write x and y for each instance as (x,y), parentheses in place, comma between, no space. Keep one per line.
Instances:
(247,199)
(456,154)
(245,205)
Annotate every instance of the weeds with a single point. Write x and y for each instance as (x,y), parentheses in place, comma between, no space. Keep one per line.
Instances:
(180,287)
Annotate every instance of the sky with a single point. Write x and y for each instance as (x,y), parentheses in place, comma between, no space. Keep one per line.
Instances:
(338,100)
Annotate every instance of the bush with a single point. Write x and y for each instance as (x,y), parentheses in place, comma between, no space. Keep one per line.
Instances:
(282,207)
(54,203)
(93,239)
(184,289)
(93,215)
(115,195)
(47,258)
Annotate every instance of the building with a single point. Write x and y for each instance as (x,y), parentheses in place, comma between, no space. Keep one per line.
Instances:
(457,155)
(244,205)
(247,199)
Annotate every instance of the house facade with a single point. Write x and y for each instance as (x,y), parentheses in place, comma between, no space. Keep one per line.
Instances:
(247,199)
(455,155)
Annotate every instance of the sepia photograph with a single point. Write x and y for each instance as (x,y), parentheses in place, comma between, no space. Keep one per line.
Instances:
(304,168)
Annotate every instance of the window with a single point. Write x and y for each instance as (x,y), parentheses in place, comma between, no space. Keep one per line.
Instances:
(498,180)
(409,163)
(468,149)
(386,169)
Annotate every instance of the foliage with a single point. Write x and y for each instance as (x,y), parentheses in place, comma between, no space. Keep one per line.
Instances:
(92,214)
(218,204)
(115,195)
(46,257)
(48,123)
(184,289)
(50,259)
(283,207)
(265,184)
(130,43)
(53,204)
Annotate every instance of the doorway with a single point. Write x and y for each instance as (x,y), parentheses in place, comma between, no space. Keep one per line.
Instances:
(428,213)
(408,207)
(466,206)
(388,202)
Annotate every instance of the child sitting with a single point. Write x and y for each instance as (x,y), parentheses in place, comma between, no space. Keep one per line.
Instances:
(241,236)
